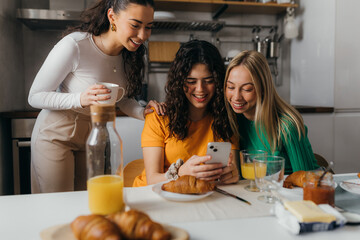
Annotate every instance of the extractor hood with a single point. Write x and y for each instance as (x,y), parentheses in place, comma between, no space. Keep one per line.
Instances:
(46,19)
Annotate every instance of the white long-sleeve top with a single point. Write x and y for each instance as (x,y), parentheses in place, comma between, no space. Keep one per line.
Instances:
(71,67)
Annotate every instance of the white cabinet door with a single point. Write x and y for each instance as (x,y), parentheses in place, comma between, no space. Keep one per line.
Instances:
(347,70)
(320,133)
(347,142)
(312,55)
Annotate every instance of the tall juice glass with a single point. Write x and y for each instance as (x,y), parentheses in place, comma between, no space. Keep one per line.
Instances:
(104,162)
(247,167)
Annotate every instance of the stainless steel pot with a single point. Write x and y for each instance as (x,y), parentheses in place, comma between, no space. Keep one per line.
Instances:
(274,49)
(262,47)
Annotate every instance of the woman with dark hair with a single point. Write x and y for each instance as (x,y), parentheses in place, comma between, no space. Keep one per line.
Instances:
(107,47)
(260,118)
(196,115)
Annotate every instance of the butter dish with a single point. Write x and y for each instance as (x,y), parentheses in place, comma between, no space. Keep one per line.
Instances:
(305,216)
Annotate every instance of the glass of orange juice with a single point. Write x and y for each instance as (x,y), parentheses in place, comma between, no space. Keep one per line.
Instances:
(105,194)
(247,167)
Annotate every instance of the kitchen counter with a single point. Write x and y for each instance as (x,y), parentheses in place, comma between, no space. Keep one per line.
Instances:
(314,109)
(34,114)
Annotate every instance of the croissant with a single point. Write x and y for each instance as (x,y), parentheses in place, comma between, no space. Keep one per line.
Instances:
(137,225)
(188,184)
(93,227)
(296,179)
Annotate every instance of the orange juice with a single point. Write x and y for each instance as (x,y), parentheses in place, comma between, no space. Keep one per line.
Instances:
(105,194)
(247,171)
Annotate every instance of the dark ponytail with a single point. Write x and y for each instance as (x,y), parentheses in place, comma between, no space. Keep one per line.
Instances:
(95,21)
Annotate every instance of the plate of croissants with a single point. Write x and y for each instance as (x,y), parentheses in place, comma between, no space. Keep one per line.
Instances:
(185,188)
(132,224)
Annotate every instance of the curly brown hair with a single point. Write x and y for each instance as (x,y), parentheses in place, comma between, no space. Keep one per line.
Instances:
(95,21)
(177,105)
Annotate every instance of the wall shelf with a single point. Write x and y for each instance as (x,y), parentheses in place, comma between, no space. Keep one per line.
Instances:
(183,25)
(215,5)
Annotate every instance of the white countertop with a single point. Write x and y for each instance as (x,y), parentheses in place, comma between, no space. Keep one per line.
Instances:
(25,216)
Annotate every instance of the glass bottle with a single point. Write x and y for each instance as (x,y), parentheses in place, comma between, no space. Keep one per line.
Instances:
(104,162)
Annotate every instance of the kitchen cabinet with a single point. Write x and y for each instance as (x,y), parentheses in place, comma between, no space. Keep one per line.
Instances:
(347,142)
(320,133)
(347,71)
(325,72)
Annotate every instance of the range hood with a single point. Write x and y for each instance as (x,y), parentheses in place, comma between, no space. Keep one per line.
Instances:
(47,19)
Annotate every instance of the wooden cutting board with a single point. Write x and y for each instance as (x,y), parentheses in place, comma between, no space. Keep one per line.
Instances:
(163,51)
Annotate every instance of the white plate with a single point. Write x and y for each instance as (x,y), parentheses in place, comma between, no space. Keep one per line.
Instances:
(351,187)
(179,197)
(64,232)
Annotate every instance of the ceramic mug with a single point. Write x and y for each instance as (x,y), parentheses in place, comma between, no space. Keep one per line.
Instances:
(114,94)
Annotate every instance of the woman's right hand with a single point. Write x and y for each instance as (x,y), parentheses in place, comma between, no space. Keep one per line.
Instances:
(89,96)
(195,166)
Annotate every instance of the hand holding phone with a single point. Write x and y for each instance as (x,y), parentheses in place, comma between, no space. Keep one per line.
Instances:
(219,152)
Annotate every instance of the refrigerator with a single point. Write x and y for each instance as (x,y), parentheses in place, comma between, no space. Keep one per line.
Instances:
(325,72)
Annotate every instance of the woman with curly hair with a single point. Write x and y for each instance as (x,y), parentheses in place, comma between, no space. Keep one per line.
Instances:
(196,115)
(260,118)
(108,46)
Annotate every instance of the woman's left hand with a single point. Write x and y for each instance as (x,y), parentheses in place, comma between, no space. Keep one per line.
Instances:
(160,108)
(230,172)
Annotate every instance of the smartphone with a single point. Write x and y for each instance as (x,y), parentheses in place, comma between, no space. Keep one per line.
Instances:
(219,152)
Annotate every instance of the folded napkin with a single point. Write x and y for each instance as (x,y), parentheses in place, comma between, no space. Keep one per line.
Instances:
(305,216)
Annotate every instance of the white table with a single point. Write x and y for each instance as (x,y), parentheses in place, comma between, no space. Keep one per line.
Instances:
(25,216)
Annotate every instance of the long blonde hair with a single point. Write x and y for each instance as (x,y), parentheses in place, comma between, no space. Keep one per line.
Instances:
(272,113)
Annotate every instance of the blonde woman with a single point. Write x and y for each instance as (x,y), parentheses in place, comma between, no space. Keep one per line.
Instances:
(260,118)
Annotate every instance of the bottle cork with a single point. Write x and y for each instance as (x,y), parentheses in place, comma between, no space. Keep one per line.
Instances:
(102,112)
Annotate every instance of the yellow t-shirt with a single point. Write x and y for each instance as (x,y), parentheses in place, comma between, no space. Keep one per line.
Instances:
(156,134)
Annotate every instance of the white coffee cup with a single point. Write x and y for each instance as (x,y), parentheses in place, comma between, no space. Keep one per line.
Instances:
(114,94)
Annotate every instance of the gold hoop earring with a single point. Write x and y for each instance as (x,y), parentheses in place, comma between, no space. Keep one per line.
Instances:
(113,27)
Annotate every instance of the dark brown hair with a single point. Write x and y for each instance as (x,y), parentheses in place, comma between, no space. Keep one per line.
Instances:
(95,21)
(177,105)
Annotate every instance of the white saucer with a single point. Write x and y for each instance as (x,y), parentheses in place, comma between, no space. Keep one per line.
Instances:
(355,189)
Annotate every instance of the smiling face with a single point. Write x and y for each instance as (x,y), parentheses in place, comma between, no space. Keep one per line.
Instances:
(199,87)
(133,25)
(240,92)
